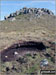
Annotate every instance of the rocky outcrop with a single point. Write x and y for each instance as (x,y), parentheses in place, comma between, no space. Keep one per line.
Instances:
(35,11)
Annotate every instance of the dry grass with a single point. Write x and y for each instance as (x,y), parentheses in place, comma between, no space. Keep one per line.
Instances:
(43,28)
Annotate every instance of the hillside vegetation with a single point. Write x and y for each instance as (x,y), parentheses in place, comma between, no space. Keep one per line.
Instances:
(43,27)
(27,27)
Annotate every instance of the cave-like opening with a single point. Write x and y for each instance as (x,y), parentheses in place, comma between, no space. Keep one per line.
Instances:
(33,45)
(21,49)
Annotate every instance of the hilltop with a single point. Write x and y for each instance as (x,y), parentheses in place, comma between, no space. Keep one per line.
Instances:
(33,12)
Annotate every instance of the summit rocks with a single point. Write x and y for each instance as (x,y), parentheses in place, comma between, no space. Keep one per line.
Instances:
(31,11)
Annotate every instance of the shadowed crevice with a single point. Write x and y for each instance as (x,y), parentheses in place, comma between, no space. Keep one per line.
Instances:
(22,48)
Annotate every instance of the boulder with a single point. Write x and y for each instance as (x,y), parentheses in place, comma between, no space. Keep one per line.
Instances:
(17,13)
(11,15)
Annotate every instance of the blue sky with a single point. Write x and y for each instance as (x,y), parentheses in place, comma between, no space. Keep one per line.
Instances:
(11,6)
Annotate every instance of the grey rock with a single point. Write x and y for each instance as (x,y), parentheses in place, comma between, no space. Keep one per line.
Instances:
(17,13)
(11,15)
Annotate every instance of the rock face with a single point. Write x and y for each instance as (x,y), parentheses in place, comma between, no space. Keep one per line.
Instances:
(35,11)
